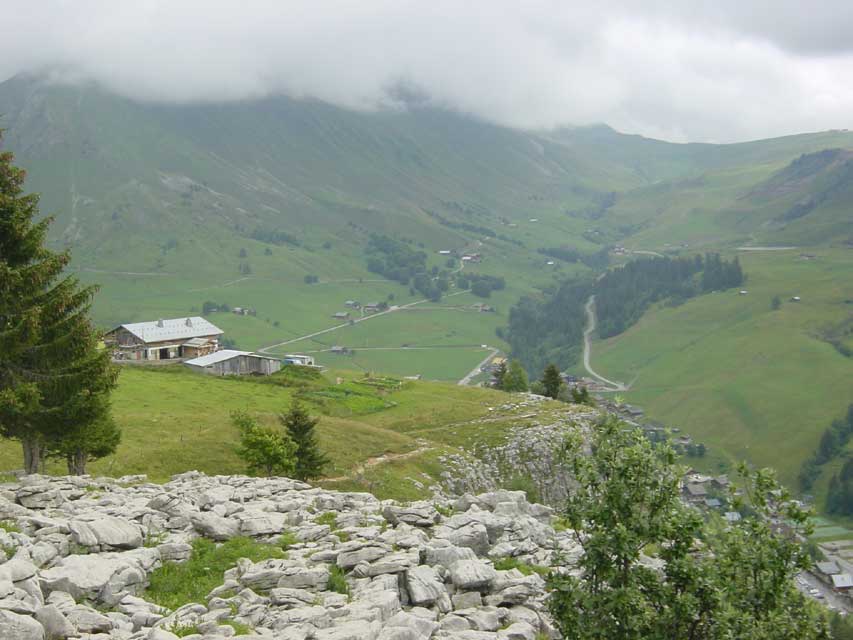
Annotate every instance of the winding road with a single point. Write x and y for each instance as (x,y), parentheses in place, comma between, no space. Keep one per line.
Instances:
(587,349)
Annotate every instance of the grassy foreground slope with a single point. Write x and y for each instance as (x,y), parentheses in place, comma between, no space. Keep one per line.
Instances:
(750,382)
(174,420)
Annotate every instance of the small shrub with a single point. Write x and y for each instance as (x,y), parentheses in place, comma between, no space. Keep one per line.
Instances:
(9,526)
(287,540)
(506,564)
(337,581)
(445,511)
(328,518)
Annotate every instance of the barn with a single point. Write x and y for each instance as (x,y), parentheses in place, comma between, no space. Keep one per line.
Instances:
(163,339)
(230,362)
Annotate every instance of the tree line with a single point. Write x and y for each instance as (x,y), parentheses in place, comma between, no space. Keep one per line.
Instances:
(832,442)
(55,379)
(622,295)
(551,330)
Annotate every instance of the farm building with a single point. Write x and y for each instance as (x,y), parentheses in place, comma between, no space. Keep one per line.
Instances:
(164,339)
(295,358)
(341,315)
(229,362)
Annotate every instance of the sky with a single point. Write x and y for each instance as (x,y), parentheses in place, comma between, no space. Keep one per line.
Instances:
(715,71)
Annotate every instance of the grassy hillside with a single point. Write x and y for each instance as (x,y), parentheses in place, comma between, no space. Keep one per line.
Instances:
(750,382)
(174,420)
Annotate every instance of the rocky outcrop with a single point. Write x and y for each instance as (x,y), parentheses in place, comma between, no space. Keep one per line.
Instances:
(79,553)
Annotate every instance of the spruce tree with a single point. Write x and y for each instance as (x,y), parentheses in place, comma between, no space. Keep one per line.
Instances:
(310,461)
(552,381)
(53,375)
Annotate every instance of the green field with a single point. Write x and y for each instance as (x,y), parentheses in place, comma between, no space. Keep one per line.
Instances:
(750,382)
(174,420)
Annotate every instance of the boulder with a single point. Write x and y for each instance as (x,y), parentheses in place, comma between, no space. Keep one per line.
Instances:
(469,575)
(107,532)
(18,627)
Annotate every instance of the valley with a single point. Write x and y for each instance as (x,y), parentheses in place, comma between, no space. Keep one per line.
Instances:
(272,204)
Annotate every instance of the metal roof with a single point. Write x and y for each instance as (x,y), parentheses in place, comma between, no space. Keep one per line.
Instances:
(842,581)
(829,567)
(172,329)
(219,356)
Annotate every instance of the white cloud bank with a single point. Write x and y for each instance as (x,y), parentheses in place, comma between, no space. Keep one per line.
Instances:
(717,71)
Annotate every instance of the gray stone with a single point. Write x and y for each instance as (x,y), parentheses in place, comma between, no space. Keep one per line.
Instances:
(106,531)
(424,585)
(18,627)
(471,575)
(215,527)
(56,626)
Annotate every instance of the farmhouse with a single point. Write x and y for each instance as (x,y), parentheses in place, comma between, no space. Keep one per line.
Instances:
(341,315)
(164,339)
(234,363)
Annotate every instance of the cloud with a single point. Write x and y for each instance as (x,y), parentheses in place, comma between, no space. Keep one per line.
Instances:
(717,71)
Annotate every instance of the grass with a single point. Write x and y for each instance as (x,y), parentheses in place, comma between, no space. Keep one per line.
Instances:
(9,526)
(174,420)
(337,581)
(508,563)
(176,584)
(749,382)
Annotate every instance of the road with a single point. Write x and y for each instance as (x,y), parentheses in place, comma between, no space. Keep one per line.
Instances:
(587,349)
(352,322)
(476,370)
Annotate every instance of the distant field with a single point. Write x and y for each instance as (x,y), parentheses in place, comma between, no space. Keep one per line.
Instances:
(750,382)
(174,420)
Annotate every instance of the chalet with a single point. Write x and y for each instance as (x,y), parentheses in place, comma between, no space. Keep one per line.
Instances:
(341,315)
(352,304)
(298,359)
(825,570)
(372,307)
(230,362)
(695,492)
(164,339)
(338,349)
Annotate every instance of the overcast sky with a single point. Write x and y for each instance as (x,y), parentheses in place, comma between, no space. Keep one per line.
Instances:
(721,70)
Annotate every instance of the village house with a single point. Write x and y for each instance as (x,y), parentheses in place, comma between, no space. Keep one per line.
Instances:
(695,492)
(299,359)
(825,570)
(352,304)
(164,339)
(372,307)
(341,315)
(230,362)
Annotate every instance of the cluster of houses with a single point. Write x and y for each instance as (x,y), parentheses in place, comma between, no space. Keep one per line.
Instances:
(195,342)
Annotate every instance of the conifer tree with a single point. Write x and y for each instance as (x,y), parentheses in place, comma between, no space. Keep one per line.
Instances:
(515,378)
(552,381)
(53,375)
(310,461)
